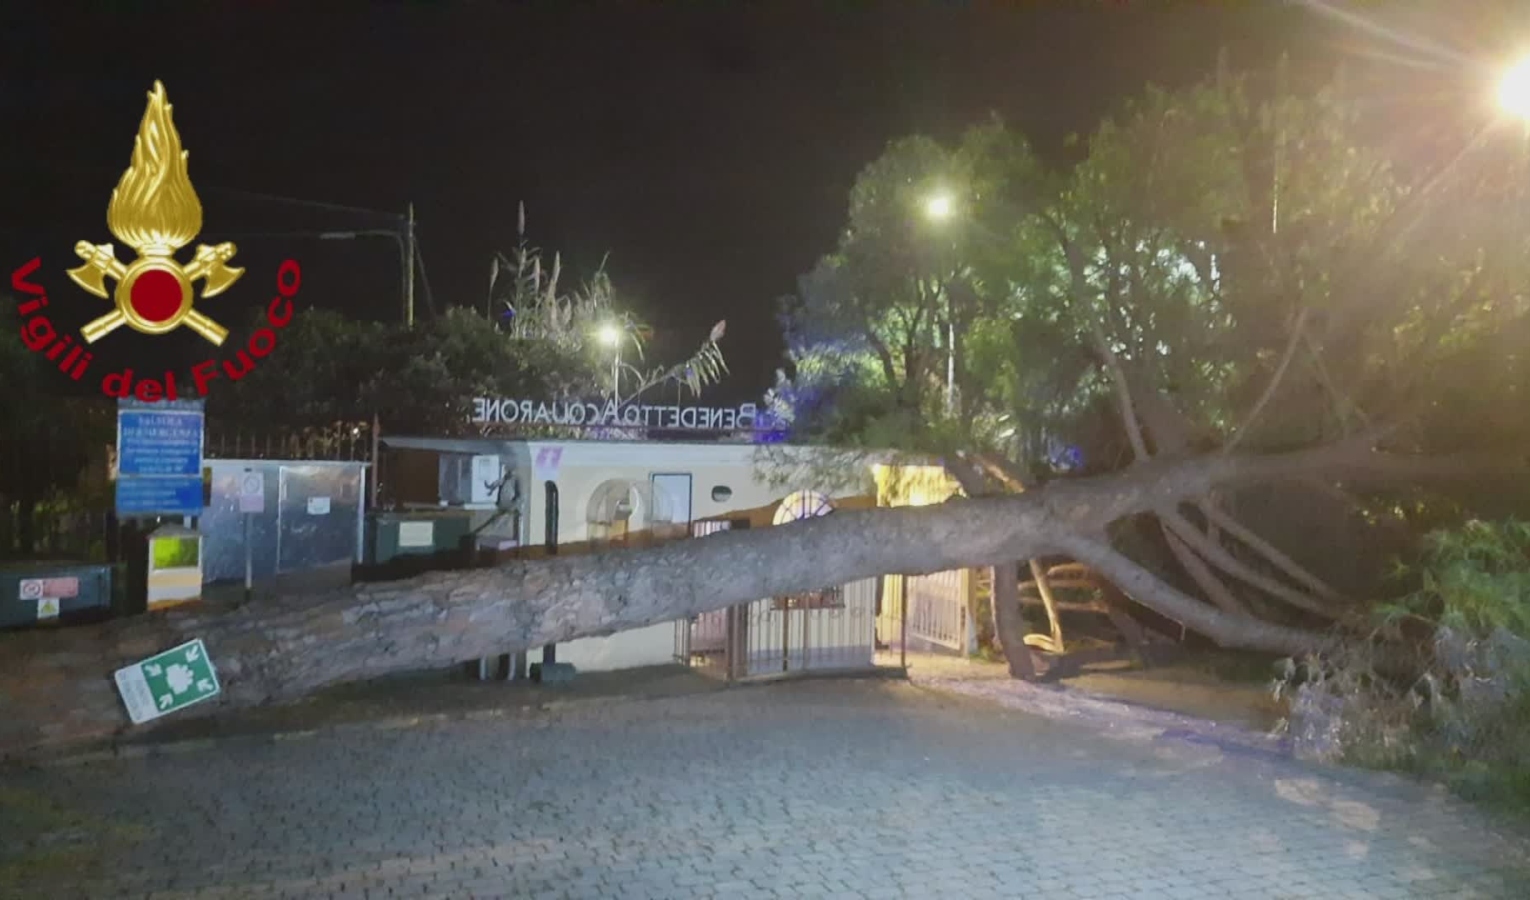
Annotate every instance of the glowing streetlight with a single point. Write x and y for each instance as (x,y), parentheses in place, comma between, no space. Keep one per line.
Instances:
(1514,90)
(611,335)
(939,206)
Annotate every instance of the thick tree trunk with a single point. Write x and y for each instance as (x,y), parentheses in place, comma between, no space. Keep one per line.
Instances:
(56,686)
(1009,622)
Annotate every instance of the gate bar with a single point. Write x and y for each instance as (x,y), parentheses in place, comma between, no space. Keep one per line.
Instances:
(903,624)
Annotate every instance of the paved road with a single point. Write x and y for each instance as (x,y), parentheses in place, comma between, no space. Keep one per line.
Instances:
(829,789)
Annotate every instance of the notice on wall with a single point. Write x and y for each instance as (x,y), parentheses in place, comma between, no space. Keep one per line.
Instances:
(252,491)
(47,608)
(37,588)
(416,534)
(318,506)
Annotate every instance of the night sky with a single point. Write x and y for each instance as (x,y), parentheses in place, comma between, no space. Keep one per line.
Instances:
(707,147)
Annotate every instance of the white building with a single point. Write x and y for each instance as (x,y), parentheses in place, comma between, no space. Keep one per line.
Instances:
(571,496)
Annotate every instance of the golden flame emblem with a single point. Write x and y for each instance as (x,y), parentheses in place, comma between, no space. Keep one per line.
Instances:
(155,211)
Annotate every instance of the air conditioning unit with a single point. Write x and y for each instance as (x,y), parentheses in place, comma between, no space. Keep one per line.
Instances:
(468,480)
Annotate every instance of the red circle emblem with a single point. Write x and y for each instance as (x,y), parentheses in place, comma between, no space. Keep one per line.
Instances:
(156,295)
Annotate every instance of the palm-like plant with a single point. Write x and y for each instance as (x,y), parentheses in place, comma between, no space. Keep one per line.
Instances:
(532,308)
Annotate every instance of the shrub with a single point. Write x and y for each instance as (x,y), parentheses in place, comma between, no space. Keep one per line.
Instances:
(1456,704)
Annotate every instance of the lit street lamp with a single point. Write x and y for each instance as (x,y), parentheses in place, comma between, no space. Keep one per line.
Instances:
(939,207)
(611,335)
(1514,91)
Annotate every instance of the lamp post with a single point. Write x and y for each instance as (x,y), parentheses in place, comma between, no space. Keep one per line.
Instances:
(406,252)
(940,207)
(611,336)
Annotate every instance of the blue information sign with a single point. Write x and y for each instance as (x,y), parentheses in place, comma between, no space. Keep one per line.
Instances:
(159,443)
(159,462)
(159,496)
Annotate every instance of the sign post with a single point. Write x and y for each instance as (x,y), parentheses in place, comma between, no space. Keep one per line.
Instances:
(166,682)
(252,500)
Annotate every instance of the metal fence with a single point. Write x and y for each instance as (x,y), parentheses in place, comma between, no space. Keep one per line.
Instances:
(829,630)
(333,442)
(824,630)
(56,498)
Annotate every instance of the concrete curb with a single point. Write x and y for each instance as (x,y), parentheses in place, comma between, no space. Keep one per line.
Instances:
(402,722)
(1104,713)
(398,722)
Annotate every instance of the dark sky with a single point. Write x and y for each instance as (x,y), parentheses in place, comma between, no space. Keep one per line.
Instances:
(707,146)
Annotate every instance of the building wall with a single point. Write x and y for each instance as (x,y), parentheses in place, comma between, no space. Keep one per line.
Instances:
(580,470)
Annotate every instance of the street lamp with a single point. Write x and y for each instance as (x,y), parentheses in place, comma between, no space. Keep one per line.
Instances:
(611,335)
(939,207)
(1514,90)
(406,253)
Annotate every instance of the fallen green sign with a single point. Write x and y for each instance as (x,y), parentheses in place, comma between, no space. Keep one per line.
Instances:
(167,682)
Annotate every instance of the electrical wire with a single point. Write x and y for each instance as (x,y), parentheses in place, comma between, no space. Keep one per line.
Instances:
(298,201)
(221,189)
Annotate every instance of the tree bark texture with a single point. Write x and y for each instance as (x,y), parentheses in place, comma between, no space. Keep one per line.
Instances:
(1009,624)
(56,685)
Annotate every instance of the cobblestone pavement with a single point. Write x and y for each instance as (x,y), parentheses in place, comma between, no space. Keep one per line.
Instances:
(856,789)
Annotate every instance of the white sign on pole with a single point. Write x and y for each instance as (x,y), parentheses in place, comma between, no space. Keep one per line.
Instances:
(252,492)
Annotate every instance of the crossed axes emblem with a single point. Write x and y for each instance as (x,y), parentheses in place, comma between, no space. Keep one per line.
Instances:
(155,211)
(154,292)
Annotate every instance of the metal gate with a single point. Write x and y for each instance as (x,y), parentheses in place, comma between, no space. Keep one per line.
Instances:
(316,508)
(703,641)
(936,606)
(833,629)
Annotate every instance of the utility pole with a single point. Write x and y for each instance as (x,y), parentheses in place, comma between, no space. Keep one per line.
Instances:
(409,271)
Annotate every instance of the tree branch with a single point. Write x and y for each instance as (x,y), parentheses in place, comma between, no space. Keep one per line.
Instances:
(1212,586)
(1297,330)
(1218,556)
(1044,588)
(1002,471)
(1294,570)
(1123,391)
(1226,629)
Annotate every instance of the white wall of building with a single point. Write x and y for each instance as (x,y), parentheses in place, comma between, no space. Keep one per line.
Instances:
(583,473)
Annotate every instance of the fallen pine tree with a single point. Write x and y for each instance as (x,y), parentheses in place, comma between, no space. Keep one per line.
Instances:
(56,687)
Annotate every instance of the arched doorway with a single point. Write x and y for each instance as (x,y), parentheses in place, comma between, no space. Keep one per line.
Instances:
(612,512)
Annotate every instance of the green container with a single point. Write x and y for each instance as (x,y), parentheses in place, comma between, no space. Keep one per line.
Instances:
(391,535)
(40,593)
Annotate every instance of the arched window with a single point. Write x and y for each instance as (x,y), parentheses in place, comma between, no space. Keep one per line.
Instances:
(802,505)
(796,507)
(612,508)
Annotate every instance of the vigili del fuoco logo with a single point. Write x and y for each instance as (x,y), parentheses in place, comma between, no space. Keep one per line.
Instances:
(155,212)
